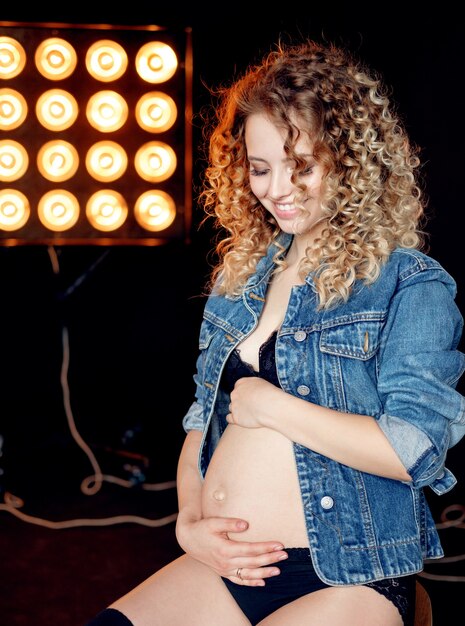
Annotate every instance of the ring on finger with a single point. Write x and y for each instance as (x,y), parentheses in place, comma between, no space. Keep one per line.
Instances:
(238,573)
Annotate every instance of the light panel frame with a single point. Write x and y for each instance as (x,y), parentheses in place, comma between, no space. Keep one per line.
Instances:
(33,136)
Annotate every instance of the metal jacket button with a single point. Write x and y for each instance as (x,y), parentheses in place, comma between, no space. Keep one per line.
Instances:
(303,390)
(327,502)
(300,335)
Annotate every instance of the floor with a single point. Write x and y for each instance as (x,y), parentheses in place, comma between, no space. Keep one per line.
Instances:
(63,576)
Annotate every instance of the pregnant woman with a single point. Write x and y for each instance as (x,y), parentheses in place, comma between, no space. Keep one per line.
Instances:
(326,379)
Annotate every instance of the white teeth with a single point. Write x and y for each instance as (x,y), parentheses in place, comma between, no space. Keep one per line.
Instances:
(285,207)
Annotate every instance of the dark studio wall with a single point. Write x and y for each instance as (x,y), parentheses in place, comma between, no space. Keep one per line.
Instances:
(132,313)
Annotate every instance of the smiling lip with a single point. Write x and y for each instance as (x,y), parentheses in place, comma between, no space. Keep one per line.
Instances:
(286,211)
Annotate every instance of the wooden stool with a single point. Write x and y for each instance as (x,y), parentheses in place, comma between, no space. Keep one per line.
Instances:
(423,608)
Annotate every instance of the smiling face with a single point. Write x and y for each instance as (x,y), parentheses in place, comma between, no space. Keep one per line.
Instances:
(270,178)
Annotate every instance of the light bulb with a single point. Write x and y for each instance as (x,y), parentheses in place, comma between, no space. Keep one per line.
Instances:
(55,58)
(12,57)
(156,112)
(106,60)
(14,209)
(14,160)
(58,210)
(13,109)
(106,161)
(155,161)
(57,160)
(106,210)
(156,62)
(107,111)
(155,210)
(57,109)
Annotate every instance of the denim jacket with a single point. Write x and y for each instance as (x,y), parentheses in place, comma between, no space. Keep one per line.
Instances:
(390,352)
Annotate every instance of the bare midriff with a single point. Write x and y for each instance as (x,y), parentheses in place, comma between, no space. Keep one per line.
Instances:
(252,475)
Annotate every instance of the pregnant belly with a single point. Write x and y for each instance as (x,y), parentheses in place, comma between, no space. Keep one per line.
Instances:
(252,475)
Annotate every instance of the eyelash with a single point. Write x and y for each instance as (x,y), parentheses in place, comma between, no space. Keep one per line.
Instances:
(254,172)
(306,172)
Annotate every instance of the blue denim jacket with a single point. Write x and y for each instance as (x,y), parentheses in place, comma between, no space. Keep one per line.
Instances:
(390,352)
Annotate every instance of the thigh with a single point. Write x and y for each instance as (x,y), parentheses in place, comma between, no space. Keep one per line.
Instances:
(337,606)
(183,592)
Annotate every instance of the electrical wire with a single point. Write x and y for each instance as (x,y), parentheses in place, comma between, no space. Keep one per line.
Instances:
(447,522)
(12,505)
(93,483)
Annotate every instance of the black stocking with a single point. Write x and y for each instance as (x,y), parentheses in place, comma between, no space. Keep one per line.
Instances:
(110,617)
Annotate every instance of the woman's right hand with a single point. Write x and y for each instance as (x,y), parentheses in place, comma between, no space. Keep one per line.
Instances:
(243,562)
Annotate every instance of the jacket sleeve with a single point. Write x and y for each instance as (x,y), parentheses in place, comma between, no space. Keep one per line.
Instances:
(419,368)
(194,418)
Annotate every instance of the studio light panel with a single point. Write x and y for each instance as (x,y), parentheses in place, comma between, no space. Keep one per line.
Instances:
(95,134)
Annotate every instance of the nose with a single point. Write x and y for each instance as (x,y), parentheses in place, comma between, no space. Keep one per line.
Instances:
(280,184)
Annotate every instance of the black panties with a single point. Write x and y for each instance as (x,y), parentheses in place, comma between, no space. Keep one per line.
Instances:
(299,578)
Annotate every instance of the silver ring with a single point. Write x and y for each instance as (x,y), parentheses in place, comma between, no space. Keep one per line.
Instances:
(238,573)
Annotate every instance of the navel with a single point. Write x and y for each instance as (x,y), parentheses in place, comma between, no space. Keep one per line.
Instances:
(219,495)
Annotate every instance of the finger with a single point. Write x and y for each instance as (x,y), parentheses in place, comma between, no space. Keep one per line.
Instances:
(227,524)
(262,561)
(254,577)
(266,551)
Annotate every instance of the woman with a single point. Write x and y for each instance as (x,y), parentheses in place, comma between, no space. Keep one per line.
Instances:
(326,381)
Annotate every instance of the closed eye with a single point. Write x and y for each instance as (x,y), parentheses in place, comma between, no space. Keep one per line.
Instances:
(255,172)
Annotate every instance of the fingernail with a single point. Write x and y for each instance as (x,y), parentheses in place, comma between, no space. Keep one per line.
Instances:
(242,525)
(275,572)
(278,547)
(283,556)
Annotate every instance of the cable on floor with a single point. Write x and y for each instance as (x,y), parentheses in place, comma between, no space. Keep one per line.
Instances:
(93,483)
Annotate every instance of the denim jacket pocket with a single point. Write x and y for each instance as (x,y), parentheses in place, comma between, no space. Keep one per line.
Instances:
(349,348)
(357,338)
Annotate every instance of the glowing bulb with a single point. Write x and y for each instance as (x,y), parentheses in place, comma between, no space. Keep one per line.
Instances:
(156,62)
(12,57)
(57,109)
(14,160)
(14,209)
(57,160)
(155,210)
(106,161)
(58,210)
(106,210)
(106,60)
(156,112)
(155,161)
(55,58)
(107,111)
(13,109)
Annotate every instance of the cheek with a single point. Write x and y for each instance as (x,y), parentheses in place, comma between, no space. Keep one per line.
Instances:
(258,186)
(314,189)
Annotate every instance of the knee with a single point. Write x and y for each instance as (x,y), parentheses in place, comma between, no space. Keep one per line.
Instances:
(110,617)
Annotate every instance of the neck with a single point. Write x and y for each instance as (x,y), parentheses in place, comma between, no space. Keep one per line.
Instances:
(297,249)
(301,242)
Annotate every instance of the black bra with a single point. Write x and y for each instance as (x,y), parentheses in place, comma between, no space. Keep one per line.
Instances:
(236,368)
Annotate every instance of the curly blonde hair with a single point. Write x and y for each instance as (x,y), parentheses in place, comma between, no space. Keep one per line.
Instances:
(371,197)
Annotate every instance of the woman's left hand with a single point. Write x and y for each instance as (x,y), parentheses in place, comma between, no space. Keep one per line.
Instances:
(252,401)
